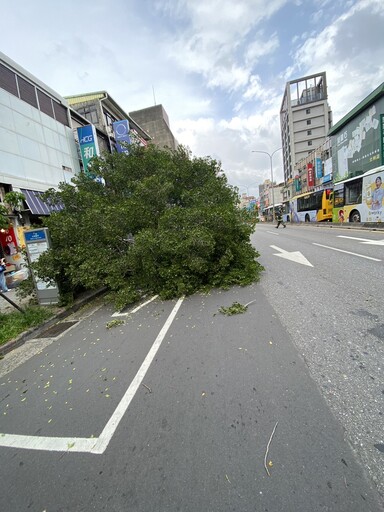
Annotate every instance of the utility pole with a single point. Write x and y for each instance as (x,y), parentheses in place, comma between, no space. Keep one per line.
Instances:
(273,191)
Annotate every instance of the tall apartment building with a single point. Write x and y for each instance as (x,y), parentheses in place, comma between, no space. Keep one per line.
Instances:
(155,121)
(305,119)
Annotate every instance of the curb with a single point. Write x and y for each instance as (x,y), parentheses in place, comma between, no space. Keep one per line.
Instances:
(366,226)
(25,336)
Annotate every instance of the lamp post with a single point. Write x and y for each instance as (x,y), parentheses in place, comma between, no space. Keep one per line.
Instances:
(273,191)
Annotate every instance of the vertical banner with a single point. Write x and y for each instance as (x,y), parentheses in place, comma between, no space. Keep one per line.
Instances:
(121,131)
(297,184)
(88,144)
(311,175)
(319,168)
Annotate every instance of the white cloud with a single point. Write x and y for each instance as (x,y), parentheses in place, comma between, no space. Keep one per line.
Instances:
(351,52)
(218,67)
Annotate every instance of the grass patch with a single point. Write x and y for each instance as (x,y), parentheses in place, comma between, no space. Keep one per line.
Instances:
(13,324)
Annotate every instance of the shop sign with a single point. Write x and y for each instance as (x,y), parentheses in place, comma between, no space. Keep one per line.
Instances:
(311,175)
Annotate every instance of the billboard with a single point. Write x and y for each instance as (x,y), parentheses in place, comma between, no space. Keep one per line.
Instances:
(356,148)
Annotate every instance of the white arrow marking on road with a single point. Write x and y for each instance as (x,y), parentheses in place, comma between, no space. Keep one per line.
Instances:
(364,240)
(295,256)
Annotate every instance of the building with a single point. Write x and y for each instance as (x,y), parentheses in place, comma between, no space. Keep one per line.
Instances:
(358,138)
(37,148)
(155,121)
(102,111)
(270,195)
(305,119)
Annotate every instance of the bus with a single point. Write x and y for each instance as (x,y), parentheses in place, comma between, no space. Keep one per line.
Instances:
(360,199)
(312,206)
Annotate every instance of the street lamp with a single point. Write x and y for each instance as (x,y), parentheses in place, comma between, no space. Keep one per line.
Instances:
(273,191)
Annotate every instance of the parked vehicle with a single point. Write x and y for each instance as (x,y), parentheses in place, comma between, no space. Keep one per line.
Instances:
(360,199)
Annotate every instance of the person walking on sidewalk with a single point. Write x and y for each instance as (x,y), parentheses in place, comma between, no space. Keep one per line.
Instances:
(3,282)
(280,220)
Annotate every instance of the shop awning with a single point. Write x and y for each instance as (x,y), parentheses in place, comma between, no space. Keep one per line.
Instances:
(36,204)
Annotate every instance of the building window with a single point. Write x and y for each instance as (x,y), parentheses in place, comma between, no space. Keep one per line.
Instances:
(26,91)
(45,103)
(308,111)
(309,121)
(309,143)
(90,113)
(60,113)
(8,80)
(109,120)
(309,132)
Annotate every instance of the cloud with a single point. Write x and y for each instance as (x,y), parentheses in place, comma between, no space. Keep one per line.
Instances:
(218,67)
(351,52)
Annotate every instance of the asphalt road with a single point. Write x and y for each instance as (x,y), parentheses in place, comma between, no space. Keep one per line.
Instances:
(182,408)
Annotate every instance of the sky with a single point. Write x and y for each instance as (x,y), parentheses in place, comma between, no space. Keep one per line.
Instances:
(218,67)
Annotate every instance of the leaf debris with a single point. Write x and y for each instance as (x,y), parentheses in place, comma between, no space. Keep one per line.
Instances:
(114,323)
(235,309)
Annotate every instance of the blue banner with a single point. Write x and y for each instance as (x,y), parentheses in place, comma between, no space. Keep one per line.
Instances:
(319,168)
(121,131)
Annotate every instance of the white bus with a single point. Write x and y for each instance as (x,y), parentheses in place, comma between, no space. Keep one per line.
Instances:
(360,199)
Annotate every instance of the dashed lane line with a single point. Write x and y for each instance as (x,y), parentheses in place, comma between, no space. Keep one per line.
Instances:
(347,252)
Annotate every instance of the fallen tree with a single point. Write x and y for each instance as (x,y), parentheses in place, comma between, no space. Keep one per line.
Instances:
(160,222)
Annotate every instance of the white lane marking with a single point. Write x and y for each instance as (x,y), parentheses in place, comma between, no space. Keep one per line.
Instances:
(295,256)
(113,422)
(99,444)
(135,309)
(367,241)
(347,252)
(273,233)
(52,444)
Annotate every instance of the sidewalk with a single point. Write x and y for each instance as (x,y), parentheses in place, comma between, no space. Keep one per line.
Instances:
(62,312)
(6,307)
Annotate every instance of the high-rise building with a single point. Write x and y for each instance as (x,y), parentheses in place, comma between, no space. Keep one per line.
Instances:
(305,118)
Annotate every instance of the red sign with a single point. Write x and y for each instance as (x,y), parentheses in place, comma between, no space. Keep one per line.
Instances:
(8,241)
(311,175)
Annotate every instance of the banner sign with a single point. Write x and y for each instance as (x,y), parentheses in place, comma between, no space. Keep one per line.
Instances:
(297,184)
(319,168)
(88,144)
(311,175)
(121,131)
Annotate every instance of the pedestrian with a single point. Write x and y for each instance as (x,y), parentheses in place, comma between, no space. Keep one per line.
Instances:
(3,282)
(280,220)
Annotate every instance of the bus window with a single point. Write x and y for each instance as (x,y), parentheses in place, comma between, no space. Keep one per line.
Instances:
(353,192)
(338,197)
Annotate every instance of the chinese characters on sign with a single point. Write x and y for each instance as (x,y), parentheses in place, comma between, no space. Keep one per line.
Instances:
(311,175)
(88,144)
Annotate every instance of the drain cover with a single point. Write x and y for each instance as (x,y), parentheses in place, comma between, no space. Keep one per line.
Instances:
(55,330)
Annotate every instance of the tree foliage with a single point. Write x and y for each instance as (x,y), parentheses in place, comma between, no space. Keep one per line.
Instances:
(164,222)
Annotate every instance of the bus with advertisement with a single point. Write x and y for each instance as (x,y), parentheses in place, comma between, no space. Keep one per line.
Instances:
(313,206)
(360,199)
